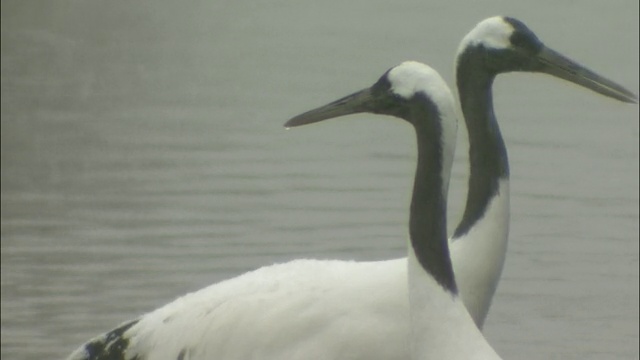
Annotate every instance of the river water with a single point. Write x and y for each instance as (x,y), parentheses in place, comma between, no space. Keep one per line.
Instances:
(143,157)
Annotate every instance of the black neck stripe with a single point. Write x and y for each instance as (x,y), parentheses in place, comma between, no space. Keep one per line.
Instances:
(488,160)
(428,220)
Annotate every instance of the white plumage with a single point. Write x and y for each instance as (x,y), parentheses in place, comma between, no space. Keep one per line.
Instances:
(310,309)
(281,312)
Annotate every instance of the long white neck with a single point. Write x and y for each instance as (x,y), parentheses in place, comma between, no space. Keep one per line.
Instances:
(478,256)
(441,327)
(479,243)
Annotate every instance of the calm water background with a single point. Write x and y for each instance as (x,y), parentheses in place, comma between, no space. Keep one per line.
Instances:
(143,157)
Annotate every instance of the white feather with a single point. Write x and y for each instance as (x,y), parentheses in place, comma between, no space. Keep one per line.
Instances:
(310,309)
(479,255)
(493,32)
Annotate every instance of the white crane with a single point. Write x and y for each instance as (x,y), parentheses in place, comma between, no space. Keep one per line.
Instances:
(360,310)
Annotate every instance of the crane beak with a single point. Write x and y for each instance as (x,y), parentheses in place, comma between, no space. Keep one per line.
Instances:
(556,64)
(357,102)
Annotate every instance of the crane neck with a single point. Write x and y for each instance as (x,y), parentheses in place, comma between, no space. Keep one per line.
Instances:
(488,160)
(427,219)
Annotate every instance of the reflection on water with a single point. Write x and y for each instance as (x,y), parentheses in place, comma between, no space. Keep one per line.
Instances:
(143,157)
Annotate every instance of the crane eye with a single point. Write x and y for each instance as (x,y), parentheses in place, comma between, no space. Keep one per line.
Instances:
(525,41)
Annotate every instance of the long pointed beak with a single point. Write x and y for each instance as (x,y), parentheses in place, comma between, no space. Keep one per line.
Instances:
(556,64)
(351,104)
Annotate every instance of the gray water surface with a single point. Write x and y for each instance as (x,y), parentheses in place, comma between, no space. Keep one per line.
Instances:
(143,157)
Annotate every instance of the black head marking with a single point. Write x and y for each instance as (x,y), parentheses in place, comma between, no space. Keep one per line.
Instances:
(519,55)
(523,38)
(387,103)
